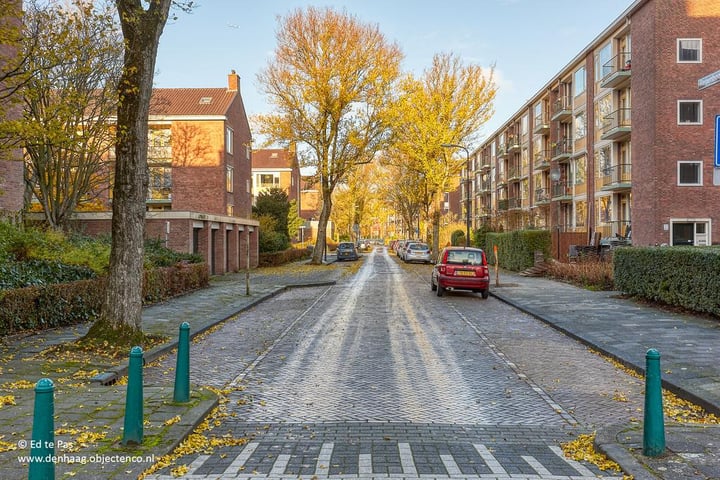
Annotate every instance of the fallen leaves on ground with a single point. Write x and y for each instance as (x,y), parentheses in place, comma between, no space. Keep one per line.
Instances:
(582,449)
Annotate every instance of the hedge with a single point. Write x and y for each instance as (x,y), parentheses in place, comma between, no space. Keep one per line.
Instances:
(286,256)
(63,304)
(516,250)
(688,277)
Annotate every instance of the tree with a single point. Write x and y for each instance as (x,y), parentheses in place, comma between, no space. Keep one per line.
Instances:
(447,105)
(142,23)
(274,203)
(294,220)
(330,80)
(69,104)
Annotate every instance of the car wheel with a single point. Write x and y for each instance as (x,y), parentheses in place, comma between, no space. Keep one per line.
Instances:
(485,293)
(440,290)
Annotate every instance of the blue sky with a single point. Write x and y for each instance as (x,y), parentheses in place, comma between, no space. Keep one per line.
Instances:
(200,49)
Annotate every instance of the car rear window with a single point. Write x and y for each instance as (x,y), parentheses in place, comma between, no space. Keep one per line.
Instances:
(418,246)
(462,257)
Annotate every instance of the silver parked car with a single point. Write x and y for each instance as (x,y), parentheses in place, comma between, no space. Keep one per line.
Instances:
(417,252)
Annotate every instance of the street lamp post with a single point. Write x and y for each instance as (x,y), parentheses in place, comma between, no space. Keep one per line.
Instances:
(467,188)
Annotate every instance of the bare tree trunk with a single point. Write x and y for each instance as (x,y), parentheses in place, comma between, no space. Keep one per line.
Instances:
(122,308)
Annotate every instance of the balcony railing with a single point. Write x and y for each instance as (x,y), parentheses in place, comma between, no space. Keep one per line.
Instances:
(515,203)
(616,72)
(619,229)
(617,177)
(561,190)
(561,150)
(514,173)
(542,196)
(542,125)
(503,204)
(542,160)
(562,110)
(617,125)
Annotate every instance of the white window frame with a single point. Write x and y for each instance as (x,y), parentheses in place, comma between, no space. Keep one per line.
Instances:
(579,74)
(229,140)
(686,162)
(700,113)
(680,40)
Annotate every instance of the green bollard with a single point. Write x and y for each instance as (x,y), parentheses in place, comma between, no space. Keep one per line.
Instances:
(654,424)
(133,431)
(182,366)
(42,443)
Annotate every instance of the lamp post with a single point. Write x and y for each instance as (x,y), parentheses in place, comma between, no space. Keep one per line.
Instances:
(467,188)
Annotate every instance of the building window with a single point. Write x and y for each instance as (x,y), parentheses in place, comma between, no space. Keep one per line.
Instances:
(247,152)
(229,178)
(602,60)
(247,185)
(690,112)
(689,173)
(580,127)
(230,210)
(229,140)
(579,81)
(689,50)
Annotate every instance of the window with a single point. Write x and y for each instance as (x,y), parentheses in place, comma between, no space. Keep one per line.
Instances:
(579,81)
(602,59)
(247,152)
(690,112)
(229,140)
(229,178)
(580,126)
(689,50)
(689,173)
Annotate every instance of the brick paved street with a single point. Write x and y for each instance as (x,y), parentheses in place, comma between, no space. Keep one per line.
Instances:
(376,378)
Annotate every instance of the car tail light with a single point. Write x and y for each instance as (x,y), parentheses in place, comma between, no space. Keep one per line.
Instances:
(443,269)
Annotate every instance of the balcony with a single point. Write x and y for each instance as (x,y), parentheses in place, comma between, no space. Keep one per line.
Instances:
(561,150)
(617,125)
(514,173)
(617,72)
(515,203)
(486,163)
(616,178)
(542,160)
(542,125)
(485,186)
(501,179)
(561,190)
(502,150)
(503,205)
(542,196)
(513,144)
(562,110)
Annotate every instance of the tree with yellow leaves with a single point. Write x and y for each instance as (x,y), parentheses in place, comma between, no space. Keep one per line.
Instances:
(330,79)
(448,104)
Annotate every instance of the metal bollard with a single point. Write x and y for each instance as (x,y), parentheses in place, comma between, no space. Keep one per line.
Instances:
(42,443)
(133,431)
(654,423)
(181,393)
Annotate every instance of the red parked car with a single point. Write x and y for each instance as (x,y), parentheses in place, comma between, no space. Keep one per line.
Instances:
(461,268)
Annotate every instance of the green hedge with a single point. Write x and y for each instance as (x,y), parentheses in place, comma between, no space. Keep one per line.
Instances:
(57,305)
(286,256)
(516,250)
(688,277)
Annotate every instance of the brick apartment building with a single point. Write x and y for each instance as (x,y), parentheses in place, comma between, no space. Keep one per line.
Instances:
(276,168)
(12,185)
(621,141)
(200,163)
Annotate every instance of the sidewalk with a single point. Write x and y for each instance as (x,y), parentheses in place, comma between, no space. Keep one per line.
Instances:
(624,330)
(89,416)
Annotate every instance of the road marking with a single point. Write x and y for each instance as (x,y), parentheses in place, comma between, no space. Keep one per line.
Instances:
(452,468)
(280,464)
(489,459)
(582,469)
(406,459)
(237,464)
(323,462)
(197,463)
(537,466)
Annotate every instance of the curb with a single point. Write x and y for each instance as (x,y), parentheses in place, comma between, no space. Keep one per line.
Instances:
(606,443)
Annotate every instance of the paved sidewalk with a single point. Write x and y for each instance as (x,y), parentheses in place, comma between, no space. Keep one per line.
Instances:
(89,416)
(624,330)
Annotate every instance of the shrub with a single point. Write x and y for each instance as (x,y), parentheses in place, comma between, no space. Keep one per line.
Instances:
(279,258)
(593,274)
(516,250)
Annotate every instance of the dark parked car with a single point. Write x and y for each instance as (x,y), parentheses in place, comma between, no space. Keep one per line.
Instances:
(461,268)
(346,251)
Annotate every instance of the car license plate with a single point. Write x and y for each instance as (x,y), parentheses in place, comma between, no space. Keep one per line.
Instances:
(464,273)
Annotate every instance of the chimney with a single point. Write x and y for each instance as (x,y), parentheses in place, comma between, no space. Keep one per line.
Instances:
(233,82)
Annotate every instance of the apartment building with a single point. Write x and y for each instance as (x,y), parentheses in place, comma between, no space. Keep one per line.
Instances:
(621,142)
(276,168)
(200,190)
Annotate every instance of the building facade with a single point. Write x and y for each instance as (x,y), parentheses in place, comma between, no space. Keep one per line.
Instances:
(200,165)
(276,168)
(620,142)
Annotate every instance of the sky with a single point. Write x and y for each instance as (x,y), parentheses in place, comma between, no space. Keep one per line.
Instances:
(527,41)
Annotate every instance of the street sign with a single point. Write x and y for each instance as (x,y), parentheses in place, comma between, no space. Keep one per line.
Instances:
(717,140)
(709,80)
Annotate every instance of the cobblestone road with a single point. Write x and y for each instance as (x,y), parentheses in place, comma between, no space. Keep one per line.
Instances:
(377,378)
